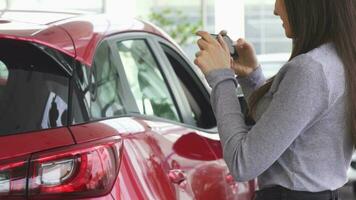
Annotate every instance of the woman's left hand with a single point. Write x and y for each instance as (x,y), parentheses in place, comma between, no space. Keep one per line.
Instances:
(214,54)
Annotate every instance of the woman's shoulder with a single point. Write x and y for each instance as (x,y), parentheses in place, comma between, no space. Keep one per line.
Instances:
(303,65)
(321,55)
(320,64)
(324,56)
(321,60)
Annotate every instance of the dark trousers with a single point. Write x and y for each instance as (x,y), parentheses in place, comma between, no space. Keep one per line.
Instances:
(281,193)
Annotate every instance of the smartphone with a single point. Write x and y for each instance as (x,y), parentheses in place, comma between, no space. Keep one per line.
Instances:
(229,43)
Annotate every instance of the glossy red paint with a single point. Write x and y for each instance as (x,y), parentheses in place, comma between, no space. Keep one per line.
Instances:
(107,197)
(175,147)
(33,142)
(106,128)
(149,169)
(3,81)
(142,178)
(126,187)
(76,36)
(192,146)
(88,31)
(51,36)
(93,131)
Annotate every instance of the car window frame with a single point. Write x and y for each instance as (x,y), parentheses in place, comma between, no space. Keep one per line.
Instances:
(147,37)
(154,41)
(202,86)
(125,97)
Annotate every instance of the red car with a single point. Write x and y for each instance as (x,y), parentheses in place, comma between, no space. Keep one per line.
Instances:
(100,108)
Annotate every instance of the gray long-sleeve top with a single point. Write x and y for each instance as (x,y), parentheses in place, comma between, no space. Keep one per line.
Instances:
(301,139)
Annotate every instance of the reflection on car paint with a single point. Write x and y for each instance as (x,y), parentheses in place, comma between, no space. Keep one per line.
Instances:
(54,110)
(124,125)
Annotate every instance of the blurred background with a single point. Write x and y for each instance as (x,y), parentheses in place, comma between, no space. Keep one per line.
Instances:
(250,19)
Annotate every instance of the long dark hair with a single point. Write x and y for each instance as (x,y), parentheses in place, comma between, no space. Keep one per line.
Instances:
(313,23)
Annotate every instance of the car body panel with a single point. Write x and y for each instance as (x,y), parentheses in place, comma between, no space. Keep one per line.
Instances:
(3,81)
(78,36)
(143,171)
(150,156)
(51,36)
(107,197)
(105,128)
(153,148)
(87,32)
(91,131)
(31,142)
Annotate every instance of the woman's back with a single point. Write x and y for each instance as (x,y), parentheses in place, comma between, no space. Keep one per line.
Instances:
(318,157)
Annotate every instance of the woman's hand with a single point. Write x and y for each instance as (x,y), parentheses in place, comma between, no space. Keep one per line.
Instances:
(214,54)
(247,61)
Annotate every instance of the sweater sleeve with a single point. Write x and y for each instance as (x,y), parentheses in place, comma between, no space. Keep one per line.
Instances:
(251,82)
(301,97)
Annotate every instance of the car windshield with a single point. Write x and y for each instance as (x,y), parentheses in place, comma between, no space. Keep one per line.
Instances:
(93,6)
(33,88)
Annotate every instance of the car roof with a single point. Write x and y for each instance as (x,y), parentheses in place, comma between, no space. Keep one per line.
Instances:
(74,34)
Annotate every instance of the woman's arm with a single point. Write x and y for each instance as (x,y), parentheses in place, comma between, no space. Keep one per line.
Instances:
(302,97)
(251,82)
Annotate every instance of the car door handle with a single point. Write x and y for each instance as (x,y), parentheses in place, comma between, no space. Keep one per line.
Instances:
(176,176)
(230,179)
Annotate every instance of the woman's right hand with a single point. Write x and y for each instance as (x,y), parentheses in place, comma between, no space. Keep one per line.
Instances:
(247,62)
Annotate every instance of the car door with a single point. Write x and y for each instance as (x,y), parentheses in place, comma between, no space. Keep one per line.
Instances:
(159,112)
(190,157)
(195,89)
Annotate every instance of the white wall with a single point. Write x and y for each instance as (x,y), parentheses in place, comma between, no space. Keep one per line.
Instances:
(121,8)
(230,16)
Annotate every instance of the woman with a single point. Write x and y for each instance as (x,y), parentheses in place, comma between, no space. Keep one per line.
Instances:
(302,142)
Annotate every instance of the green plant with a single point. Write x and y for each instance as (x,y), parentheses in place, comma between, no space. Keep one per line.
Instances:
(176,24)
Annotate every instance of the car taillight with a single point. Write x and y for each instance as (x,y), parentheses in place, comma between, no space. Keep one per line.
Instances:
(13,178)
(80,171)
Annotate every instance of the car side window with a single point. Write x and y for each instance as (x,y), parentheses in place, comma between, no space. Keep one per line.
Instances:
(33,88)
(97,93)
(105,98)
(146,81)
(193,88)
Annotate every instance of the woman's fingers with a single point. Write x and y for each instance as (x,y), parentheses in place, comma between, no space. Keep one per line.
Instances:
(223,43)
(199,53)
(223,32)
(207,39)
(199,60)
(247,60)
(212,54)
(242,45)
(202,44)
(206,36)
